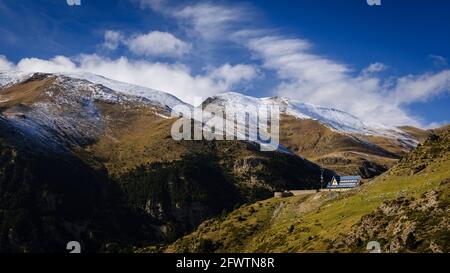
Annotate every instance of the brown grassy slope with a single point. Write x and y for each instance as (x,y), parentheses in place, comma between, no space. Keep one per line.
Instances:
(148,137)
(25,93)
(343,153)
(133,136)
(420,134)
(136,136)
(440,130)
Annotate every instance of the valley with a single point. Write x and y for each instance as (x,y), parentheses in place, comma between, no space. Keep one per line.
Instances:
(86,158)
(405,210)
(169,187)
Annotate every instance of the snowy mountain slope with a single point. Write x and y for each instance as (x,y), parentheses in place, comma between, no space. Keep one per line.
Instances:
(59,109)
(10,77)
(334,119)
(341,121)
(332,138)
(329,137)
(338,120)
(239,104)
(163,98)
(104,89)
(80,119)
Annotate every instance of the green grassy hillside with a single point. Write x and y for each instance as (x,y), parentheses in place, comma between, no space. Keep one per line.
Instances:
(344,222)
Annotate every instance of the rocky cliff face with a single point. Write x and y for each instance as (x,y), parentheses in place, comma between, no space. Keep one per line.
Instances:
(412,224)
(407,225)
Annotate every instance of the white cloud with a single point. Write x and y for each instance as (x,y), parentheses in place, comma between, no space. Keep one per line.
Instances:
(316,79)
(176,79)
(305,75)
(54,65)
(435,125)
(438,60)
(232,75)
(300,72)
(374,68)
(289,58)
(420,88)
(212,21)
(5,64)
(112,39)
(206,19)
(158,43)
(152,44)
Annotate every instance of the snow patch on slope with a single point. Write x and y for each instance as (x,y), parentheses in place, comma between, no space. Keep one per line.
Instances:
(334,119)
(163,98)
(11,77)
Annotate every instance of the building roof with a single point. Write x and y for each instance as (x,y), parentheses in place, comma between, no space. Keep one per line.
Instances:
(345,178)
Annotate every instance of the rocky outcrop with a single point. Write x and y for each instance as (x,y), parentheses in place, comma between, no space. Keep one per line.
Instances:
(407,225)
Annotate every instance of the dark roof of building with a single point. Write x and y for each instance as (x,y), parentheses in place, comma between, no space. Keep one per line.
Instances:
(346,178)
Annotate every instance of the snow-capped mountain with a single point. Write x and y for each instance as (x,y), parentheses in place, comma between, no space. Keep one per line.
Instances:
(333,138)
(130,89)
(65,110)
(334,119)
(11,77)
(106,89)
(57,108)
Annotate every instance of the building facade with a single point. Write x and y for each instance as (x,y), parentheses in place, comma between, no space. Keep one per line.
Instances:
(344,183)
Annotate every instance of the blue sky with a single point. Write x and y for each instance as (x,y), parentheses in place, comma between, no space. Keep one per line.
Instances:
(385,64)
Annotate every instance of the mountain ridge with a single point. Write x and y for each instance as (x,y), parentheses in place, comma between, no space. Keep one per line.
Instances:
(343,121)
(125,141)
(351,147)
(329,137)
